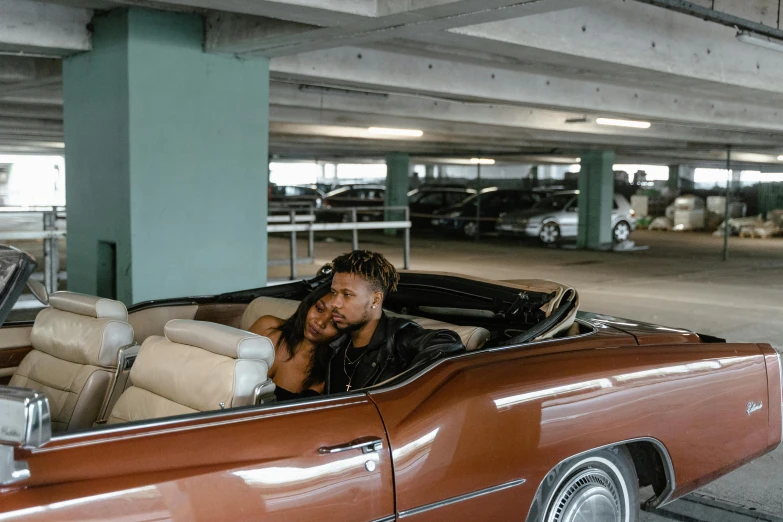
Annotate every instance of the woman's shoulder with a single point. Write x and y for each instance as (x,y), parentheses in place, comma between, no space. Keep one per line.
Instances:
(266,324)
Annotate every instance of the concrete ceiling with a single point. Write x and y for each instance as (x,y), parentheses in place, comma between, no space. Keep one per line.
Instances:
(514,79)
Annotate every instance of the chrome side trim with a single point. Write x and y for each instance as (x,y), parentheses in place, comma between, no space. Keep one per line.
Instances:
(216,416)
(460,498)
(668,466)
(390,518)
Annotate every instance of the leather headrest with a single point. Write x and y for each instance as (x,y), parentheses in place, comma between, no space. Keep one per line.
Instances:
(261,306)
(220,339)
(88,305)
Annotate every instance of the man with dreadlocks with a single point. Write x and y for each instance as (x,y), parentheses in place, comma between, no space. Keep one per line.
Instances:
(376,347)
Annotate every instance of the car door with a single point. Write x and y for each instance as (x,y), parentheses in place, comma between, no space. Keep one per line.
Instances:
(319,459)
(568,219)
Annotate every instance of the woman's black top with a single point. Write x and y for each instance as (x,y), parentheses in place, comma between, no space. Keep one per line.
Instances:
(281,394)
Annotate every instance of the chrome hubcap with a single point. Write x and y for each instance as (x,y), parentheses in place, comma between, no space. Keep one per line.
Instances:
(470,229)
(591,496)
(549,233)
(621,232)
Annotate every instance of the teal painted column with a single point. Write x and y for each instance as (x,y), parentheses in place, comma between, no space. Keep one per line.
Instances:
(397,172)
(674,177)
(680,178)
(166,150)
(596,199)
(533,176)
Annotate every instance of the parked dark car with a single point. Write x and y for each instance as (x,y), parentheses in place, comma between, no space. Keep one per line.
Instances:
(289,195)
(424,201)
(354,196)
(461,218)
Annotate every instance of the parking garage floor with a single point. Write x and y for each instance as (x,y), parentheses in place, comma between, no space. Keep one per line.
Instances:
(679,281)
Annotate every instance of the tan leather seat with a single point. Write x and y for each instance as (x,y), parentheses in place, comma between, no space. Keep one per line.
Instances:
(76,343)
(261,306)
(197,366)
(472,337)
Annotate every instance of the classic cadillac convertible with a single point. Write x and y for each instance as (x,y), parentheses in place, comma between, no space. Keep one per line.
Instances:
(164,411)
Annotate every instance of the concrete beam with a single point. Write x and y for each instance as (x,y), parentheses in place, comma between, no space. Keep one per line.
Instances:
(480,120)
(51,96)
(633,42)
(313,12)
(19,68)
(29,124)
(21,88)
(256,37)
(21,110)
(43,29)
(367,68)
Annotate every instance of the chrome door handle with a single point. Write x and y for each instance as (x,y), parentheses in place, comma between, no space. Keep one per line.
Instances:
(366,444)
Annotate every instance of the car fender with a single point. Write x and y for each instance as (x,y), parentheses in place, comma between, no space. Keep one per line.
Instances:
(488,419)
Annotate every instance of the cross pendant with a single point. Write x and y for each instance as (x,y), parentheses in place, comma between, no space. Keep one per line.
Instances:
(348,387)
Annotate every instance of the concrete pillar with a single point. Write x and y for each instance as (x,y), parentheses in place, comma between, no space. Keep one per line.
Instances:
(680,178)
(166,149)
(596,197)
(736,179)
(533,176)
(429,173)
(397,170)
(674,177)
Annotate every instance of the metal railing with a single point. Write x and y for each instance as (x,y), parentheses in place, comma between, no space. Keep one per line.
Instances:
(50,236)
(295,222)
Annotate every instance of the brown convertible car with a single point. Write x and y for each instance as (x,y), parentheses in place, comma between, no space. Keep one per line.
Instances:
(164,411)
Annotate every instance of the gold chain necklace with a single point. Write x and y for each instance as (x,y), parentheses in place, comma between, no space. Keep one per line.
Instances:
(348,361)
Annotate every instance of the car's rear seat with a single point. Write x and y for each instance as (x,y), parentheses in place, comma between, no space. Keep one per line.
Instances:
(473,337)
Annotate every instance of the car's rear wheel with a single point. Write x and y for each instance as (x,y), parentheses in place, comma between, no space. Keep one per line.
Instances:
(621,232)
(549,234)
(600,486)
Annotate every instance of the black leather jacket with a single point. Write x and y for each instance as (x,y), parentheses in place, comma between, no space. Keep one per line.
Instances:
(397,345)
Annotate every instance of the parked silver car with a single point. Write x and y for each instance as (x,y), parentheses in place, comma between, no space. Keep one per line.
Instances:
(557,217)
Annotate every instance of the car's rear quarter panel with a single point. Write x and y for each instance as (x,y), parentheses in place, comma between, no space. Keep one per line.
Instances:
(488,419)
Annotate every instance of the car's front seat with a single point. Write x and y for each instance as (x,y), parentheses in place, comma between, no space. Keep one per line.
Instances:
(76,344)
(197,366)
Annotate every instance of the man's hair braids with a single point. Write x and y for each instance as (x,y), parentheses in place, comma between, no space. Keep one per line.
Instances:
(370,265)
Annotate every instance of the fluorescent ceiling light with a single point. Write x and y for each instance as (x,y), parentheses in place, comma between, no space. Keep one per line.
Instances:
(623,123)
(413,133)
(760,41)
(780,158)
(482,161)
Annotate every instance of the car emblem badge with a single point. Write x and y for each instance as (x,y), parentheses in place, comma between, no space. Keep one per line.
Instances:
(753,406)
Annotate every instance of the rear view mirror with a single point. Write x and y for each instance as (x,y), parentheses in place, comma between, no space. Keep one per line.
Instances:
(24,423)
(38,289)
